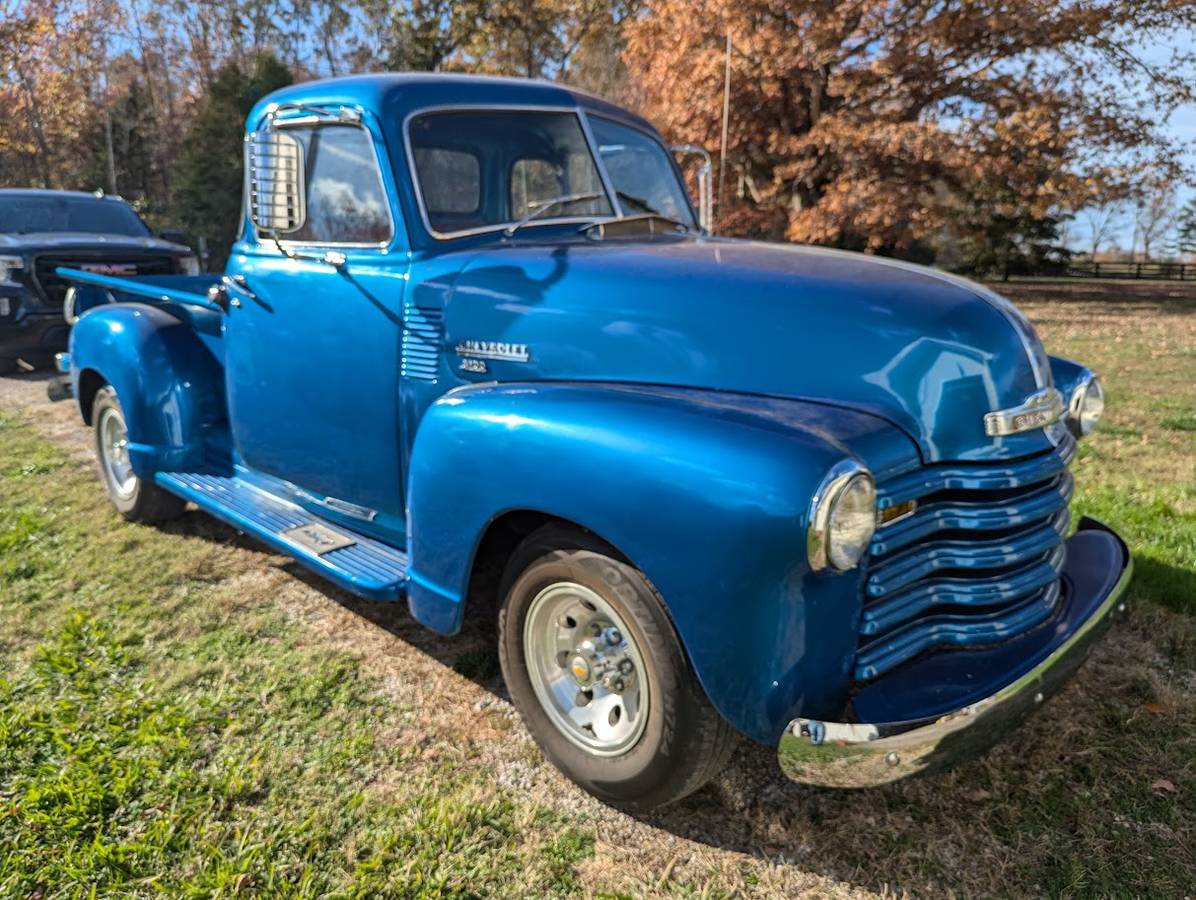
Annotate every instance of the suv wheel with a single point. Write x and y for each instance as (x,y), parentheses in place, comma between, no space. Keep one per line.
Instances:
(600,677)
(135,499)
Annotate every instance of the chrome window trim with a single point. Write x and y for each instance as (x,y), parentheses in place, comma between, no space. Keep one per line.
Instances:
(577,112)
(356,119)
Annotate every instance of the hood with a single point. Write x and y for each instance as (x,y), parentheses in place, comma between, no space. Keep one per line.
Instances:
(56,241)
(930,352)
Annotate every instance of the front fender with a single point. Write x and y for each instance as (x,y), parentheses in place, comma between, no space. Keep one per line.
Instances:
(706,493)
(169,384)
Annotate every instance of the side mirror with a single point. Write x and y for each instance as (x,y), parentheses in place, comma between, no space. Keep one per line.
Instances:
(705,183)
(274,181)
(174,235)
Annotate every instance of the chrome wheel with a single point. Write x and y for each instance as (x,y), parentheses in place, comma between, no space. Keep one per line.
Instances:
(114,453)
(586,669)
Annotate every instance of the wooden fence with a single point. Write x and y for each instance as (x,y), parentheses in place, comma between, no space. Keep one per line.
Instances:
(1148,271)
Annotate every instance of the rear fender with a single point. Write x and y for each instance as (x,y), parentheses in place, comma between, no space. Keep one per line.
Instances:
(707,494)
(170,386)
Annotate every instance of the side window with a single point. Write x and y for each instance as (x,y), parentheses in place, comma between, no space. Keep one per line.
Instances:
(452,180)
(346,200)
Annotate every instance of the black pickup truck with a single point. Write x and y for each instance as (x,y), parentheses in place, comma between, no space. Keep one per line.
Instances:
(41,230)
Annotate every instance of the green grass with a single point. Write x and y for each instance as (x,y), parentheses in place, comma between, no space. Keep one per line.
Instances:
(150,743)
(167,729)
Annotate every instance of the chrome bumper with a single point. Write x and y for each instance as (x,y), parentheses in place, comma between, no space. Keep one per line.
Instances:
(844,754)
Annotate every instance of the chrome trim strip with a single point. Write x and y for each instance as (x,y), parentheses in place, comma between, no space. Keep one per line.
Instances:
(1042,408)
(607,184)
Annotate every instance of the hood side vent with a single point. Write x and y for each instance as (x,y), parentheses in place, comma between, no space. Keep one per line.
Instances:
(423,336)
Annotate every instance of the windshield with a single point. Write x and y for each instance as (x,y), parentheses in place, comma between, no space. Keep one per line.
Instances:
(641,171)
(483,169)
(23,215)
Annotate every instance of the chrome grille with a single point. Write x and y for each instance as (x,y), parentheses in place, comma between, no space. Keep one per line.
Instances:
(52,286)
(977,562)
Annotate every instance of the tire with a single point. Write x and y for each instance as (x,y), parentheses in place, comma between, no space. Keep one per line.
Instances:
(8,365)
(135,499)
(661,739)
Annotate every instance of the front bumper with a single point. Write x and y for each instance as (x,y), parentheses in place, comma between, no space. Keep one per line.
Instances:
(854,754)
(35,332)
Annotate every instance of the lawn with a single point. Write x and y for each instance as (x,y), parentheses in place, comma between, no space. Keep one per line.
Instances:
(183,712)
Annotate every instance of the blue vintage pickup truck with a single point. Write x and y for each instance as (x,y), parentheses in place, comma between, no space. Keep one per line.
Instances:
(475,344)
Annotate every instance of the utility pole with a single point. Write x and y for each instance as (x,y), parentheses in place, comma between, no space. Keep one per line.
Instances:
(722,146)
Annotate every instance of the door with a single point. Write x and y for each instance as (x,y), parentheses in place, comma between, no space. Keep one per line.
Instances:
(313,348)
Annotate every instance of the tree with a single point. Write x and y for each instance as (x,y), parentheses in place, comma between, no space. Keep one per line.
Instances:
(1154,212)
(45,72)
(211,172)
(1186,228)
(1102,219)
(868,122)
(531,38)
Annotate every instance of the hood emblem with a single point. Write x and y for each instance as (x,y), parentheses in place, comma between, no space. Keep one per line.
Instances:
(1040,410)
(493,350)
(110,268)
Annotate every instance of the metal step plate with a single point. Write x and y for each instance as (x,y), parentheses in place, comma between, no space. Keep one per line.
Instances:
(317,538)
(362,565)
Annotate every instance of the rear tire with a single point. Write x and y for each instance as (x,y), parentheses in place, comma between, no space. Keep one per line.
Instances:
(134,498)
(574,616)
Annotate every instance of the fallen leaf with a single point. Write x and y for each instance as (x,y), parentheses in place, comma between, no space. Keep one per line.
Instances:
(1157,709)
(1162,784)
(979,795)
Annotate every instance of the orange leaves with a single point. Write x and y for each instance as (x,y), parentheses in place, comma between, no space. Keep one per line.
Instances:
(873,122)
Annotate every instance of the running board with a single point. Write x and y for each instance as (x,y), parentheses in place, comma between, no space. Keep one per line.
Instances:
(358,564)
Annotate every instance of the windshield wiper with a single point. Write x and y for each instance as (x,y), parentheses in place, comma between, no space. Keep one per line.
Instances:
(551,204)
(648,209)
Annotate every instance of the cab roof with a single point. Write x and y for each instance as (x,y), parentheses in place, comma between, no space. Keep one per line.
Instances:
(399,94)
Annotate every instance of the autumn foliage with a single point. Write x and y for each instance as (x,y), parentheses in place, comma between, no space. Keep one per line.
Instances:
(886,124)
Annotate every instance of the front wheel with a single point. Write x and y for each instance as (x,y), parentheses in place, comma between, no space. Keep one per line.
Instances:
(135,499)
(600,677)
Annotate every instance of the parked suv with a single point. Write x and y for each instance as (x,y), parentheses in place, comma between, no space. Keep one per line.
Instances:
(42,230)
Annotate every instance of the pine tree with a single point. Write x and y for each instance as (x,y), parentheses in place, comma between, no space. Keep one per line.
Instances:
(210,173)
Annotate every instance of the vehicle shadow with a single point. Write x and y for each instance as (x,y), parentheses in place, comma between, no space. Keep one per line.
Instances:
(948,833)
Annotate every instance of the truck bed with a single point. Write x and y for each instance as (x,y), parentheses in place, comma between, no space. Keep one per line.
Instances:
(188,289)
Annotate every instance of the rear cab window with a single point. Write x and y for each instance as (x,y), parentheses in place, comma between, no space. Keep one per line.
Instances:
(484,169)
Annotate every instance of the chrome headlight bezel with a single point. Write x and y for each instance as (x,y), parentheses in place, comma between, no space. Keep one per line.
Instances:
(1082,415)
(824,548)
(9,265)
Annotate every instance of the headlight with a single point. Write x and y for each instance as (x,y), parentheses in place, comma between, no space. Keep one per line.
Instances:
(842,518)
(189,265)
(8,265)
(1086,407)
